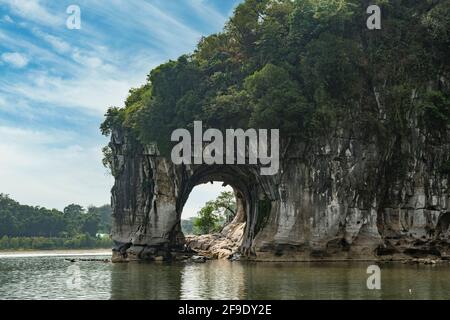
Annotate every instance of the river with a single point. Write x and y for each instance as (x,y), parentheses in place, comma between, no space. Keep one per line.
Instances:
(52,276)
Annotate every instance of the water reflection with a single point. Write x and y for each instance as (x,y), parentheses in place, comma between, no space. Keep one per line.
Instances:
(227,280)
(138,281)
(46,278)
(218,281)
(308,281)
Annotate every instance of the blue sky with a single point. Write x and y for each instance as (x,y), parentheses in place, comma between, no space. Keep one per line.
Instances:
(56,84)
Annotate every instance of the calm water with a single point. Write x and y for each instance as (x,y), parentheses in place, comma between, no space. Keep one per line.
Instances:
(52,277)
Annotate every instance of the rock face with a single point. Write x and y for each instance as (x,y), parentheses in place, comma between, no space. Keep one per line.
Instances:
(344,195)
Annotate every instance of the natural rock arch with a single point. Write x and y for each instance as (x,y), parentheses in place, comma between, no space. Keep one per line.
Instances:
(330,200)
(364,155)
(150,193)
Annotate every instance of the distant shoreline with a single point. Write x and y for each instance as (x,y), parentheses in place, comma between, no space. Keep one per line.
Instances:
(64,252)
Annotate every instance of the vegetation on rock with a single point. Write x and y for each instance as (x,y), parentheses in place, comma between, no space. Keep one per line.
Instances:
(302,67)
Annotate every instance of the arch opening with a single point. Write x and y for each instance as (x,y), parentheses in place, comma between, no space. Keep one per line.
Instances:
(212,202)
(225,241)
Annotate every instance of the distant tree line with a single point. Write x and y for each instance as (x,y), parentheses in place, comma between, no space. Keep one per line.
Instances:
(27,227)
(82,241)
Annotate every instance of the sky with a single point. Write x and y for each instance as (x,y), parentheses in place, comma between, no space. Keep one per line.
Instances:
(56,84)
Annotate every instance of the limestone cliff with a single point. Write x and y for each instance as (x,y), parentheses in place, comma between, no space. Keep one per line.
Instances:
(341,196)
(364,119)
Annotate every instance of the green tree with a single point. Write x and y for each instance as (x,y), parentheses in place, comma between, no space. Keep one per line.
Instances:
(73,215)
(73,210)
(276,99)
(187,226)
(225,205)
(207,220)
(105,214)
(215,214)
(91,222)
(36,228)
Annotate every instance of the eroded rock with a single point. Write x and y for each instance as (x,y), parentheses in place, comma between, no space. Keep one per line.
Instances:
(341,196)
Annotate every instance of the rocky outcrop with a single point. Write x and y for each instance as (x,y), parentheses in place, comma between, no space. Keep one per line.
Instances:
(344,195)
(224,245)
(227,243)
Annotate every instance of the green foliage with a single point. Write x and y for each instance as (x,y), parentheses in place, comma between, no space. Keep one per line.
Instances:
(276,100)
(230,107)
(114,118)
(215,214)
(225,205)
(436,108)
(187,226)
(207,221)
(107,157)
(43,243)
(302,67)
(102,216)
(20,221)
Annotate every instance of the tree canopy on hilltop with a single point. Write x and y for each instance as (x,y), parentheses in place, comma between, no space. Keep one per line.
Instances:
(303,66)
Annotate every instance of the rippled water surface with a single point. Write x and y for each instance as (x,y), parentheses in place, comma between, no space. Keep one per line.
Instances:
(53,277)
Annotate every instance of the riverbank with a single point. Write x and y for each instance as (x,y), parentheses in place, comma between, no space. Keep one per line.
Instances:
(51,253)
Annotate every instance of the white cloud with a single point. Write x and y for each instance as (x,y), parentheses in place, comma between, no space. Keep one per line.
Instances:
(57,43)
(91,91)
(151,26)
(92,83)
(20,108)
(87,60)
(2,102)
(99,76)
(209,14)
(40,54)
(52,168)
(18,136)
(15,59)
(88,73)
(7,19)
(33,10)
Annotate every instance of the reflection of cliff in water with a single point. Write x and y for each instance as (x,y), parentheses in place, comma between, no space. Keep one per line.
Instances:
(241,280)
(219,280)
(286,281)
(140,281)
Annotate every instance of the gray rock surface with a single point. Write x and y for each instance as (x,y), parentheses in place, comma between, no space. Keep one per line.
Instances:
(342,196)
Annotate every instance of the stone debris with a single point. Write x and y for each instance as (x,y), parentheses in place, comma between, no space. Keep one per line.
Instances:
(222,245)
